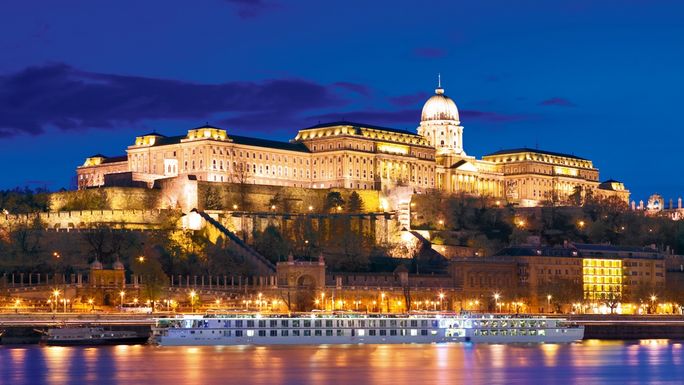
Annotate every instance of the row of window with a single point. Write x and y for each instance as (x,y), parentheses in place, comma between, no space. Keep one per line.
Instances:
(314,332)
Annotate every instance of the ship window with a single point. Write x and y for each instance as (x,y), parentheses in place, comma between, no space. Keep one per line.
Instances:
(284,333)
(250,333)
(339,332)
(307,323)
(226,333)
(423,323)
(273,333)
(361,332)
(393,322)
(238,333)
(273,323)
(307,332)
(318,332)
(328,323)
(295,333)
(423,332)
(262,333)
(371,332)
(284,323)
(250,324)
(238,323)
(318,323)
(262,323)
(414,332)
(414,323)
(328,333)
(295,323)
(383,332)
(393,332)
(383,323)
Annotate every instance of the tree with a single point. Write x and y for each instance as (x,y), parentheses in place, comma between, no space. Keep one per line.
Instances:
(240,177)
(271,244)
(212,198)
(153,277)
(333,200)
(355,203)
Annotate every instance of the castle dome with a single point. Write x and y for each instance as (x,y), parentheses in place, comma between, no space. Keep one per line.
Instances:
(439,107)
(96,265)
(117,265)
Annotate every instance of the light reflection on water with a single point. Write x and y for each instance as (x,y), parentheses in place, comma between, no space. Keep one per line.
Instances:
(591,362)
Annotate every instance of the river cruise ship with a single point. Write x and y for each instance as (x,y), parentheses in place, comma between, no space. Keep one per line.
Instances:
(258,329)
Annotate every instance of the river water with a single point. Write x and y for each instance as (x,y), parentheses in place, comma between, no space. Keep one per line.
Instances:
(589,362)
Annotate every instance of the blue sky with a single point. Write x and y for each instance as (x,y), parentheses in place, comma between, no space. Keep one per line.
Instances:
(598,79)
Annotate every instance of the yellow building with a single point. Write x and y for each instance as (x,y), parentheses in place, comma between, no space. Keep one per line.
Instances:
(355,155)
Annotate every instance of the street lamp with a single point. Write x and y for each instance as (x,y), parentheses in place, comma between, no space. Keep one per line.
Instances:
(91,302)
(56,294)
(122,294)
(141,259)
(441,301)
(56,254)
(548,301)
(653,299)
(192,300)
(496,299)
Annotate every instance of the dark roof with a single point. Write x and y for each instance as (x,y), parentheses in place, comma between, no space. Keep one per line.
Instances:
(153,134)
(114,159)
(609,248)
(525,149)
(580,250)
(269,143)
(207,126)
(608,184)
(458,164)
(518,251)
(166,140)
(110,159)
(353,124)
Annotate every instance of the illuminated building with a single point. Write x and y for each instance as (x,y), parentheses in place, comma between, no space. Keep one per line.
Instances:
(356,156)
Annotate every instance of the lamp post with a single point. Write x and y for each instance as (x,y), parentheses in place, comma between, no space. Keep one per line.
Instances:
(548,301)
(192,301)
(56,294)
(653,299)
(122,294)
(496,300)
(441,301)
(91,302)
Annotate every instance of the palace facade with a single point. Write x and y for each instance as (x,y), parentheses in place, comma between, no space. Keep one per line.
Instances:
(356,156)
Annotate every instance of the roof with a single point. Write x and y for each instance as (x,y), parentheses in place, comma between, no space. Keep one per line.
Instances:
(581,250)
(207,126)
(153,134)
(609,248)
(114,159)
(257,142)
(110,159)
(361,125)
(525,149)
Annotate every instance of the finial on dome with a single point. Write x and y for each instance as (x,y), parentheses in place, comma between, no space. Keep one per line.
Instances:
(439,90)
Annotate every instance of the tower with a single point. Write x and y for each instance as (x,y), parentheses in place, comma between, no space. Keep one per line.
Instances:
(440,124)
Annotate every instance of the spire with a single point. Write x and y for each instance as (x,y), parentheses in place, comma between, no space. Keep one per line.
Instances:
(439,90)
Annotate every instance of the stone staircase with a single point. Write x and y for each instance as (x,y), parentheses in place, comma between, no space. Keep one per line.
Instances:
(262,263)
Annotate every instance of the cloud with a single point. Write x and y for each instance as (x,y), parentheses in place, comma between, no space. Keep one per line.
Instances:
(61,96)
(429,52)
(379,117)
(556,101)
(410,99)
(492,117)
(411,117)
(360,89)
(249,9)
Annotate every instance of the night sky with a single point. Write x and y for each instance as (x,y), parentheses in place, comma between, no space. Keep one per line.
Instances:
(599,79)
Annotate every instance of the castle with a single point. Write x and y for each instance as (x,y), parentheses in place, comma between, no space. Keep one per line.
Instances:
(355,156)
